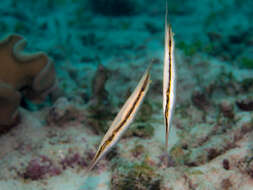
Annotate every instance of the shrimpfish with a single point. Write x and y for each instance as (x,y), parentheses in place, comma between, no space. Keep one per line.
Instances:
(123,118)
(169,79)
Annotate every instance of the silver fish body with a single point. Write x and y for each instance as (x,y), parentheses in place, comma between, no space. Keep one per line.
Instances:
(123,118)
(169,80)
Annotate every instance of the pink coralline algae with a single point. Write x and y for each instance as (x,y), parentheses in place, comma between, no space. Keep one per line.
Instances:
(73,160)
(40,168)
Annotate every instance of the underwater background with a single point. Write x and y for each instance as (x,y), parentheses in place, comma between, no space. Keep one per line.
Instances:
(61,90)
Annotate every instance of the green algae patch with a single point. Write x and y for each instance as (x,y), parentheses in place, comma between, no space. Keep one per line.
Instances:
(138,150)
(247,62)
(98,118)
(247,84)
(194,47)
(138,176)
(142,126)
(144,130)
(196,172)
(180,155)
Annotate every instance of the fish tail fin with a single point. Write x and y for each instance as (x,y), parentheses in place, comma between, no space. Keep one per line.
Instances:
(167,21)
(149,67)
(92,165)
(167,142)
(147,72)
(166,152)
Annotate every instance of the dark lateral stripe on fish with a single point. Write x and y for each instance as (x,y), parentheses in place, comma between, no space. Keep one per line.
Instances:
(169,85)
(126,118)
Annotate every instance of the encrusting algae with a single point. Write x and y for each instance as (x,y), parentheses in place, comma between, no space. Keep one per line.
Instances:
(137,176)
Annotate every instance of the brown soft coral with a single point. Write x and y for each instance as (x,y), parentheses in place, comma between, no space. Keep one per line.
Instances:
(21,74)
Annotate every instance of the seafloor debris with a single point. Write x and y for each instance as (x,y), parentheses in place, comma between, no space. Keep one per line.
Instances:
(225,164)
(61,112)
(21,74)
(227,109)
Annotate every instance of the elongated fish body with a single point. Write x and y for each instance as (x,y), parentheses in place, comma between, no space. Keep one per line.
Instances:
(169,79)
(123,118)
